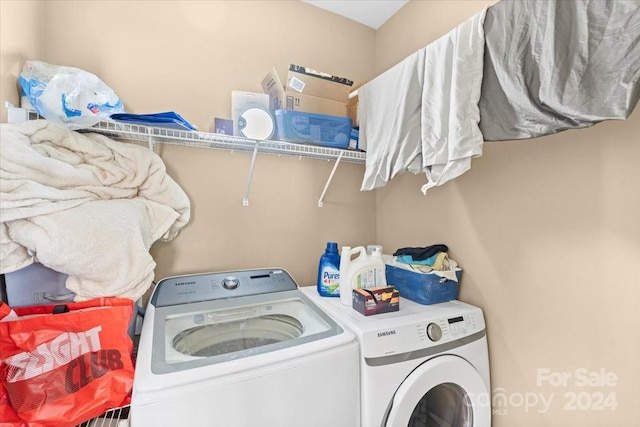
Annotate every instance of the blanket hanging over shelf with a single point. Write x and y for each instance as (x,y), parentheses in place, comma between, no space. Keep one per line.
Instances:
(86,206)
(556,65)
(548,66)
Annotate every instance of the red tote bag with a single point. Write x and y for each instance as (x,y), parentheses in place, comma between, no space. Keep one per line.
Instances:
(62,365)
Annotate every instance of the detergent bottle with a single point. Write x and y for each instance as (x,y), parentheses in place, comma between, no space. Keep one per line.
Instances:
(379,268)
(365,271)
(329,271)
(345,284)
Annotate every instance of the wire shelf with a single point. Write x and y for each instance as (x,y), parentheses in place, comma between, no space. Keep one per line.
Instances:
(152,135)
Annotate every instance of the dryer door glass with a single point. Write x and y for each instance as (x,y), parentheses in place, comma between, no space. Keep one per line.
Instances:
(446,404)
(445,391)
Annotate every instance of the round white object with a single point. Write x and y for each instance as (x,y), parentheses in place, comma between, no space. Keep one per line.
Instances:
(256,123)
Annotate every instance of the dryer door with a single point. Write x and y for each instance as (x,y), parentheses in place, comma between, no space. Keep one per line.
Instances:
(444,391)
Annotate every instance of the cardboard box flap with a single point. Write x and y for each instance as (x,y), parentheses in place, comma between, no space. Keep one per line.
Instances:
(288,99)
(310,82)
(318,74)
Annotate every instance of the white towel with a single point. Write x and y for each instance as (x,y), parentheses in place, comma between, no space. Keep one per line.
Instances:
(450,115)
(84,205)
(422,114)
(390,115)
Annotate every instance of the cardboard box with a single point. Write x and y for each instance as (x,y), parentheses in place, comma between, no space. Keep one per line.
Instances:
(353,106)
(353,111)
(369,301)
(310,82)
(222,126)
(240,101)
(281,98)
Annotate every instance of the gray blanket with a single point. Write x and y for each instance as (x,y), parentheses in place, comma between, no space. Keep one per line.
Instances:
(556,65)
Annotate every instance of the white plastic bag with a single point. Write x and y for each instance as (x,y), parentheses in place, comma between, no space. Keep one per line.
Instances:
(67,95)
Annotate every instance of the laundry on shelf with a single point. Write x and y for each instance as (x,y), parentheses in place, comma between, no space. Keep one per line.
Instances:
(86,206)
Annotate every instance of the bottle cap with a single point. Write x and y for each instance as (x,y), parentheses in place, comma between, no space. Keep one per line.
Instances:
(374,249)
(332,247)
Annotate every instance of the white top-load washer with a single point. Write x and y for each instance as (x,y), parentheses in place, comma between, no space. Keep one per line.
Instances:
(242,348)
(422,366)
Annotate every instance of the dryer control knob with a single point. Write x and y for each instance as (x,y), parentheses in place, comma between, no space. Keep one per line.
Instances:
(434,332)
(230,282)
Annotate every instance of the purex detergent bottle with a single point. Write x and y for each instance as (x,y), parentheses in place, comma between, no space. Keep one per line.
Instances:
(329,272)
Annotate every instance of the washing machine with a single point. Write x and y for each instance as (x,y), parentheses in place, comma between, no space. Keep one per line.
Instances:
(242,348)
(422,366)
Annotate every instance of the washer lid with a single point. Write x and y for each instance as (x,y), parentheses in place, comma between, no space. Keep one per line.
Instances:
(445,390)
(187,336)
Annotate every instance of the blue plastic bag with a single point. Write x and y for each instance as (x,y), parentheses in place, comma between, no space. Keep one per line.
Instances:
(67,95)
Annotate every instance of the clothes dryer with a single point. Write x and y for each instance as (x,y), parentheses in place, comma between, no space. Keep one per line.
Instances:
(242,348)
(422,366)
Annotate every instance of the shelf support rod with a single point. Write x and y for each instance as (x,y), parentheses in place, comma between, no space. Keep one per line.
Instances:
(151,142)
(245,199)
(326,186)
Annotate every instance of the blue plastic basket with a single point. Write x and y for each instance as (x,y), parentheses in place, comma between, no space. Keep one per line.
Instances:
(311,128)
(422,288)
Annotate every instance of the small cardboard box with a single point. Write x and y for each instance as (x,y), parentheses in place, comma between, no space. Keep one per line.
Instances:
(310,82)
(370,301)
(281,98)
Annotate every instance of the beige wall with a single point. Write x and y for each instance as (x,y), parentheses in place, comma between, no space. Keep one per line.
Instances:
(548,233)
(188,56)
(21,38)
(547,230)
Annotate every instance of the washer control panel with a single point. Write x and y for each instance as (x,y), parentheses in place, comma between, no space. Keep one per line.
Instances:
(220,285)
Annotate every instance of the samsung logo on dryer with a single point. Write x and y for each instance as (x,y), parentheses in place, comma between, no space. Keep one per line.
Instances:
(184,283)
(386,333)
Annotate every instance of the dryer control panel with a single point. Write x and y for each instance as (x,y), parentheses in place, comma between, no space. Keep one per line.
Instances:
(220,285)
(430,334)
(452,327)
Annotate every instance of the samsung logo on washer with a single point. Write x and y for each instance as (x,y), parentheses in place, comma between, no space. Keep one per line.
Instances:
(386,333)
(184,283)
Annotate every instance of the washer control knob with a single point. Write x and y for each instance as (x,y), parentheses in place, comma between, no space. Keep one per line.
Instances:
(434,332)
(230,282)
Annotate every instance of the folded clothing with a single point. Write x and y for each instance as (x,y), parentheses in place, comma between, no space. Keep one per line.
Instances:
(421,253)
(435,262)
(448,271)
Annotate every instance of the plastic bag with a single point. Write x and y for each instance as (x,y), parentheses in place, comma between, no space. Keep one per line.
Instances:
(67,95)
(65,368)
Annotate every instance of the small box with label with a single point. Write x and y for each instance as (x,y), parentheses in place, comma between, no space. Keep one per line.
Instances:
(370,301)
